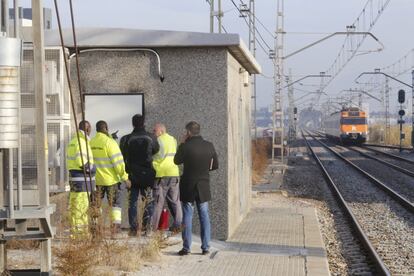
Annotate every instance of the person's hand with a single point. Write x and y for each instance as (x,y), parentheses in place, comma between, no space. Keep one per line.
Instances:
(128,184)
(184,138)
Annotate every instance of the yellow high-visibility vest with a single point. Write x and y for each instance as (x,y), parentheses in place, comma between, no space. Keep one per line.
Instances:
(73,153)
(163,161)
(109,162)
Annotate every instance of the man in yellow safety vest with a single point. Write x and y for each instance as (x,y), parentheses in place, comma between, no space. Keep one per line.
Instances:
(110,172)
(81,179)
(166,184)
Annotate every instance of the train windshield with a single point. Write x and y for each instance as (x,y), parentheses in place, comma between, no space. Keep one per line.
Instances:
(353,121)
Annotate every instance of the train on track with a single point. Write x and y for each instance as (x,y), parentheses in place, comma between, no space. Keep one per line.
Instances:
(348,126)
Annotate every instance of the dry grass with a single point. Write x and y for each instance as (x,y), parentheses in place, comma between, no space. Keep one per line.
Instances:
(260,151)
(151,251)
(84,257)
(394,139)
(76,257)
(99,254)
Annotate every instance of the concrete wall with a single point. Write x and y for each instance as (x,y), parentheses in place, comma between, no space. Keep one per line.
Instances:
(195,88)
(239,141)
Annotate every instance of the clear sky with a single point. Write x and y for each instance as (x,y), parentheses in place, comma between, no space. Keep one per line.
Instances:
(318,17)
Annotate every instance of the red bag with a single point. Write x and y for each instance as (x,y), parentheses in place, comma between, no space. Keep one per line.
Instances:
(164,220)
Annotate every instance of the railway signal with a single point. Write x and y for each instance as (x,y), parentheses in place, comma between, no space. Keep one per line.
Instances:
(401,112)
(401,96)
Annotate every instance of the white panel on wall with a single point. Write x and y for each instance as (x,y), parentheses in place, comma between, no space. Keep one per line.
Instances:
(116,109)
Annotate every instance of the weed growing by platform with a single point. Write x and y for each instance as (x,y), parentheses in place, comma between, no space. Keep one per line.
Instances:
(260,150)
(99,253)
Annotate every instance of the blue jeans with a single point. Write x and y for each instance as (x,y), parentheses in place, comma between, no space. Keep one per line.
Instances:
(188,209)
(146,197)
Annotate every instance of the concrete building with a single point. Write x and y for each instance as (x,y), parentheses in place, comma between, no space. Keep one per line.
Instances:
(205,78)
(25,17)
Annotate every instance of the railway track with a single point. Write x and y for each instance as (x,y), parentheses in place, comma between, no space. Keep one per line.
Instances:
(387,154)
(382,218)
(388,147)
(402,168)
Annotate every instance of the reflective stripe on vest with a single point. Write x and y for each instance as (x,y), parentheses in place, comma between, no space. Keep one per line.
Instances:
(77,182)
(73,153)
(116,215)
(108,159)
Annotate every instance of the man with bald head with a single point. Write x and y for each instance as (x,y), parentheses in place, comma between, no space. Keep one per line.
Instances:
(166,186)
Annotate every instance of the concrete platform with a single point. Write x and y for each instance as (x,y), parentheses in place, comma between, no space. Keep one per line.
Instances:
(280,236)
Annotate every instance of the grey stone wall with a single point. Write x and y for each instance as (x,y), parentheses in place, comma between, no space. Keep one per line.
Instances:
(195,88)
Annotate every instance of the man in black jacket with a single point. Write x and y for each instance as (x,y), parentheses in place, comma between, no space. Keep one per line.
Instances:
(138,148)
(199,158)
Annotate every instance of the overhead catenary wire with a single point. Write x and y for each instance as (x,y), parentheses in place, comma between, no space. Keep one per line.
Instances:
(264,27)
(401,71)
(259,21)
(266,48)
(359,24)
(257,31)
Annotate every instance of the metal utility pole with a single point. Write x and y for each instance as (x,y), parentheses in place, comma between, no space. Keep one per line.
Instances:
(277,134)
(412,109)
(252,48)
(387,111)
(16,19)
(219,15)
(19,149)
(292,132)
(382,122)
(211,16)
(4,17)
(41,137)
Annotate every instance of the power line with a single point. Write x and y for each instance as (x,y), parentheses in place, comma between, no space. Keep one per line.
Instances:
(257,31)
(264,27)
(255,28)
(365,21)
(395,69)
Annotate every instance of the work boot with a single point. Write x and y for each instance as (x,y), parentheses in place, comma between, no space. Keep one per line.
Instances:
(132,233)
(183,252)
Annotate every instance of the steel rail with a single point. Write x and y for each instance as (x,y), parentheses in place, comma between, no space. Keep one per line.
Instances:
(397,197)
(378,263)
(368,147)
(388,147)
(395,167)
(388,154)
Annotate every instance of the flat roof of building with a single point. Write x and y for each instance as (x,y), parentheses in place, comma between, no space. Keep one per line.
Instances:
(128,38)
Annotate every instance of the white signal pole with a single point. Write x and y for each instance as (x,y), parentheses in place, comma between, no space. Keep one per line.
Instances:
(278,135)
(252,48)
